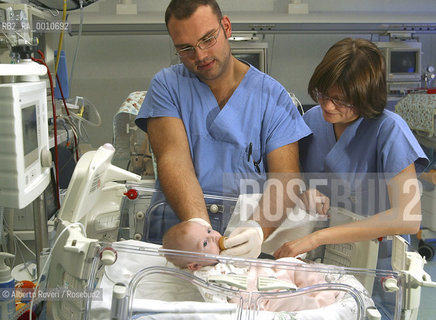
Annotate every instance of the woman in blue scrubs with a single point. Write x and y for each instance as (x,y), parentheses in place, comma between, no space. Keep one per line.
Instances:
(367,156)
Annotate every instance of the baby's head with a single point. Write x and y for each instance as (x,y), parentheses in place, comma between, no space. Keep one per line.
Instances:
(191,236)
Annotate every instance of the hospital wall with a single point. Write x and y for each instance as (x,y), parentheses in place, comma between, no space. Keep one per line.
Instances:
(109,67)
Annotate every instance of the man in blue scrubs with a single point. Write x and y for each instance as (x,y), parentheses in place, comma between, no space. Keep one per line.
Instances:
(213,120)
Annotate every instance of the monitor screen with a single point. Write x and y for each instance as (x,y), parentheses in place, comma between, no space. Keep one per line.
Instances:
(251,58)
(252,52)
(403,62)
(30,136)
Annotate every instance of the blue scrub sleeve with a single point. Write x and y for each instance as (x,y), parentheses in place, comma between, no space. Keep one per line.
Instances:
(159,101)
(399,149)
(284,122)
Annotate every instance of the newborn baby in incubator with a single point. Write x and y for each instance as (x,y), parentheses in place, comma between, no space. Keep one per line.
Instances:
(195,237)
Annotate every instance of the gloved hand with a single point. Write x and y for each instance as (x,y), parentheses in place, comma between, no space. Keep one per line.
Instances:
(201,221)
(245,241)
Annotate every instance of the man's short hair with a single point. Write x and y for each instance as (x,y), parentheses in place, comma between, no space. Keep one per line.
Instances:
(183,9)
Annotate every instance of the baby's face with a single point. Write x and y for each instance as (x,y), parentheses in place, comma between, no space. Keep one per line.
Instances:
(202,239)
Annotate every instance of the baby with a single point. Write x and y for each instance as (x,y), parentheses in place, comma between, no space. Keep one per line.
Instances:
(195,237)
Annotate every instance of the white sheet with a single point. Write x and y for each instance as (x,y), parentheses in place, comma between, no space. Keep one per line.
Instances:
(171,295)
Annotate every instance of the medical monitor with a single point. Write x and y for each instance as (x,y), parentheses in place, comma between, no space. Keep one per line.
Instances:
(25,158)
(403,60)
(253,52)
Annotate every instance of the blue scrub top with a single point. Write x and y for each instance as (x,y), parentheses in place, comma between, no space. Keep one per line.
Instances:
(260,112)
(369,153)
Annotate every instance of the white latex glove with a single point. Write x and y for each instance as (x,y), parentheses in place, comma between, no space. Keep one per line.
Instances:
(201,221)
(245,241)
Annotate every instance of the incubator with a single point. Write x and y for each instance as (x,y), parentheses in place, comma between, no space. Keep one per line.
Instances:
(133,151)
(419,111)
(131,279)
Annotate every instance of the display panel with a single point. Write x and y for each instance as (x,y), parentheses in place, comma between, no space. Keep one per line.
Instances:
(252,58)
(403,62)
(24,155)
(30,134)
(255,53)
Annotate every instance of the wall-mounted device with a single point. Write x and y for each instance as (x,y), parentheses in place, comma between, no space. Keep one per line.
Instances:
(24,24)
(244,47)
(403,64)
(58,4)
(253,52)
(25,158)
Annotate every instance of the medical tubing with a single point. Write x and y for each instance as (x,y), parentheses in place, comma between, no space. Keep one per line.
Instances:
(97,123)
(25,264)
(55,129)
(84,135)
(49,258)
(74,129)
(24,245)
(62,122)
(8,232)
(68,113)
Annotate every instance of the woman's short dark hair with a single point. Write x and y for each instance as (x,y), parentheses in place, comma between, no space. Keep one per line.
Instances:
(183,9)
(357,68)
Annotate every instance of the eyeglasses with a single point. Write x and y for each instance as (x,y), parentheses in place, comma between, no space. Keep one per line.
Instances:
(202,44)
(321,97)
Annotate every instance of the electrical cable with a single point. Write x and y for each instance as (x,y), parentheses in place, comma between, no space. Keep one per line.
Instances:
(79,119)
(16,249)
(297,102)
(82,131)
(25,264)
(67,111)
(3,238)
(90,105)
(74,129)
(62,122)
(24,245)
